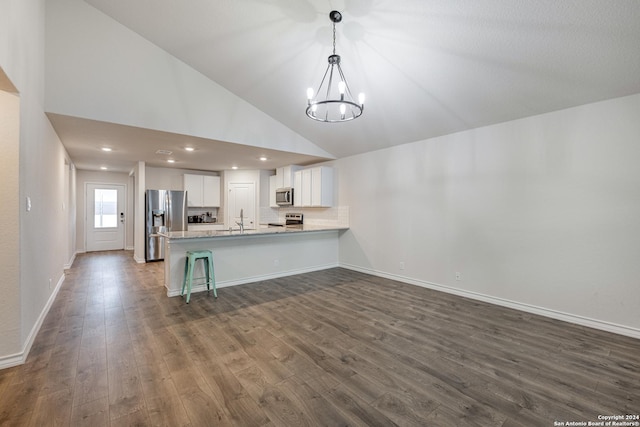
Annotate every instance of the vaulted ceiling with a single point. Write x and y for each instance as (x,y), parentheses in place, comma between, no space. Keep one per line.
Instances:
(428,67)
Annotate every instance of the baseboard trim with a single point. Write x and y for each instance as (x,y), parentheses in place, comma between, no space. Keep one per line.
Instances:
(546,312)
(139,260)
(12,360)
(20,358)
(253,279)
(70,263)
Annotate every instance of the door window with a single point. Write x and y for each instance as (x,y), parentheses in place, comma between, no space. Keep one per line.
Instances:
(106,208)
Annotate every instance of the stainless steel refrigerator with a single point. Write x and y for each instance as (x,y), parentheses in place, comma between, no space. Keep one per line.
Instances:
(165,211)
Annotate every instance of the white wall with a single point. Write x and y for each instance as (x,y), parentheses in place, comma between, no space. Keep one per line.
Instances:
(43,177)
(83,178)
(70,197)
(543,212)
(10,337)
(138,176)
(133,82)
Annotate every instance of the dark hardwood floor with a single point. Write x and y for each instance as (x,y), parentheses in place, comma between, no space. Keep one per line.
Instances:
(330,348)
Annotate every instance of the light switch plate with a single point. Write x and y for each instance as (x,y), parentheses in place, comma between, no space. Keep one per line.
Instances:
(28,204)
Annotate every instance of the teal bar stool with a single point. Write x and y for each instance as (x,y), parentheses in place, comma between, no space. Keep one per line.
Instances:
(189,266)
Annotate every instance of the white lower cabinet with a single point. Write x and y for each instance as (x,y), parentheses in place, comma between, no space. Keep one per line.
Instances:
(314,187)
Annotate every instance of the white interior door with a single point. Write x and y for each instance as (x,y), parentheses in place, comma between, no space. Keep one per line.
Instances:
(242,196)
(104,217)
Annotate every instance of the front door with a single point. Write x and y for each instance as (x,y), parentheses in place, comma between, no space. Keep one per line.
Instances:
(104,217)
(242,197)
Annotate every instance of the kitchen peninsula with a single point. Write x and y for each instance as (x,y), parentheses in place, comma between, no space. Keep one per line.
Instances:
(251,255)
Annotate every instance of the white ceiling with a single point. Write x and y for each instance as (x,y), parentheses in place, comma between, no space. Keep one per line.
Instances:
(84,140)
(428,67)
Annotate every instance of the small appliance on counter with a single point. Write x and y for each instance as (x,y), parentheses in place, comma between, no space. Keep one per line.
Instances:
(206,218)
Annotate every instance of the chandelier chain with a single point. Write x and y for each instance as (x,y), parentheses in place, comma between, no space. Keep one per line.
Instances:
(334,38)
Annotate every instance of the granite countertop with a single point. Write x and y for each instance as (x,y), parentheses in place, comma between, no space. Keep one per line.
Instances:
(263,230)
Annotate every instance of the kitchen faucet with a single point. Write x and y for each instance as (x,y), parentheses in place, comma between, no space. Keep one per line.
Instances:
(241,223)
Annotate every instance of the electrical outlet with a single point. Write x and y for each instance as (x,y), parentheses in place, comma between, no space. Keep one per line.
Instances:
(458,275)
(50,282)
(401,265)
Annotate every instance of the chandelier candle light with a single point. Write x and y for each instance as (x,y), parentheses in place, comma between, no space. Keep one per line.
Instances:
(338,104)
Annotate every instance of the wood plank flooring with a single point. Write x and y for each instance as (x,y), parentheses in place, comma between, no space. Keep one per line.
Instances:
(330,348)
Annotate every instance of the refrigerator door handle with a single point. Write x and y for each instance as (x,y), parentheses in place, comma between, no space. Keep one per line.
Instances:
(167,207)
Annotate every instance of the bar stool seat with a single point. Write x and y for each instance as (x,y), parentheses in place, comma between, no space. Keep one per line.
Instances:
(189,266)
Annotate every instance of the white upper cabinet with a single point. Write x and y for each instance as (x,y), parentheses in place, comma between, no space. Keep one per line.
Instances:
(202,190)
(211,191)
(314,187)
(273,185)
(279,178)
(322,186)
(297,188)
(193,186)
(306,188)
(285,176)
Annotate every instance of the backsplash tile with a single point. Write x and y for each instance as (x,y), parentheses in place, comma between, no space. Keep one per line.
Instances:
(335,216)
(268,215)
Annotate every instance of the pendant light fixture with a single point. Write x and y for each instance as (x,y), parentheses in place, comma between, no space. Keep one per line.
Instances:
(333,101)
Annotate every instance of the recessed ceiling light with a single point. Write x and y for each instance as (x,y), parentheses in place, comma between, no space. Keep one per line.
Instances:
(234,167)
(166,152)
(104,168)
(106,149)
(189,148)
(263,158)
(171,161)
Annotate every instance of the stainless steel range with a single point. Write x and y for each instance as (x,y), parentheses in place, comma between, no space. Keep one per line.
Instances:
(291,220)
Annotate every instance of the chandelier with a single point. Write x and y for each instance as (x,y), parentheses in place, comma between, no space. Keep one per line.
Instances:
(333,101)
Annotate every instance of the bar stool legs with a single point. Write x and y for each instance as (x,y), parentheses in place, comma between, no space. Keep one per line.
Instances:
(189,266)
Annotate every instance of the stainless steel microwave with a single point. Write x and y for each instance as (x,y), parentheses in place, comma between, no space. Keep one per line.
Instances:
(284,196)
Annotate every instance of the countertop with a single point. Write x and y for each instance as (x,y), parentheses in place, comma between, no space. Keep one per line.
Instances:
(206,234)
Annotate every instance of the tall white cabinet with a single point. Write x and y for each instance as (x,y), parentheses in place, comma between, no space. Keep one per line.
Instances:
(202,190)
